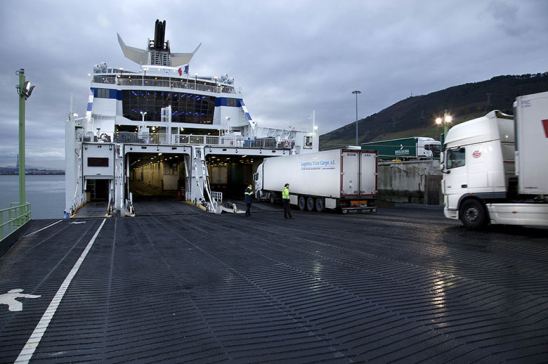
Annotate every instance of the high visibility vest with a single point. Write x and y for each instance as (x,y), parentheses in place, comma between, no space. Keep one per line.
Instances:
(285,193)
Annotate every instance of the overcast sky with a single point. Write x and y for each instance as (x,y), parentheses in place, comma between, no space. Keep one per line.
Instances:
(288,57)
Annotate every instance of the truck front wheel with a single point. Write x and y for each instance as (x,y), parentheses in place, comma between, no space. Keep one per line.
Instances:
(472,214)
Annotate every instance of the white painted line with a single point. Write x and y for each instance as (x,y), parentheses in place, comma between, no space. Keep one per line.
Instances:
(44,228)
(32,343)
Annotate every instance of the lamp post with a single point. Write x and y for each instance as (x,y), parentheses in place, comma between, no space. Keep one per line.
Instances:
(356,92)
(143,114)
(24,90)
(444,121)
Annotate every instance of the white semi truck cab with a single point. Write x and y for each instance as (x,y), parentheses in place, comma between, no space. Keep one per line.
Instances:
(495,168)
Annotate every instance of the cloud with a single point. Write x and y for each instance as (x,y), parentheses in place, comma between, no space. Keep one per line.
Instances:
(289,57)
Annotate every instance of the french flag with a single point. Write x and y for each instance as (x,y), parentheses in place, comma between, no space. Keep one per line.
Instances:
(183,69)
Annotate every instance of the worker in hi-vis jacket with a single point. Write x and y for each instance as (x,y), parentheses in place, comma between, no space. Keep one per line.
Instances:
(248,199)
(285,200)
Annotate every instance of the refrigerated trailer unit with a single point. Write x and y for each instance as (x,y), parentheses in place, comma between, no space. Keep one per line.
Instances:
(495,168)
(342,179)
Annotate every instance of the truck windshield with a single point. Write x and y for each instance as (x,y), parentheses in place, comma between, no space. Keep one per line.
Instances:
(456,158)
(435,148)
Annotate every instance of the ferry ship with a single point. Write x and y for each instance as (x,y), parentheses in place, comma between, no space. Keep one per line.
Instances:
(160,131)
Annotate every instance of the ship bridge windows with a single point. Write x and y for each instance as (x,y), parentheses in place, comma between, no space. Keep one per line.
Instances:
(186,108)
(105,93)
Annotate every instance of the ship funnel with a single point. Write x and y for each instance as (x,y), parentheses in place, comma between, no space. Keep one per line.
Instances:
(159,35)
(158,52)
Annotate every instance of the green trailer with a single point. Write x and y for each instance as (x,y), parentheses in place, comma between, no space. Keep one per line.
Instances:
(405,148)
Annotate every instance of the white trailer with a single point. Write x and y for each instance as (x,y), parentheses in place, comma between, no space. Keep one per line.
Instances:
(496,168)
(342,179)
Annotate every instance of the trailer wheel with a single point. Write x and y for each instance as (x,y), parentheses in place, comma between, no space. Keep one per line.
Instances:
(319,204)
(472,214)
(272,198)
(310,203)
(302,203)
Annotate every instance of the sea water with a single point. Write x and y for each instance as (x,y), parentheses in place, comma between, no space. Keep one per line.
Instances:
(46,194)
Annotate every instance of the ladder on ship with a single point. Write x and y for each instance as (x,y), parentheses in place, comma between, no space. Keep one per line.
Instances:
(215,198)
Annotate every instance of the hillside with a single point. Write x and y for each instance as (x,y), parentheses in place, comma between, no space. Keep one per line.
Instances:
(415,115)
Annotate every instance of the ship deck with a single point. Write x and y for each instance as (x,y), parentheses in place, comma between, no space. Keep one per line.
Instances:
(402,285)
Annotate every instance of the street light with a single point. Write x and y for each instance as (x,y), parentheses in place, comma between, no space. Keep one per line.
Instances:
(24,90)
(444,121)
(356,92)
(143,113)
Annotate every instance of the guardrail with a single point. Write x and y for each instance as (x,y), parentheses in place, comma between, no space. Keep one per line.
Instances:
(12,218)
(217,196)
(189,84)
(221,141)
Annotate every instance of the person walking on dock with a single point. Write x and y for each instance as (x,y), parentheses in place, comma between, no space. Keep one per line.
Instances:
(285,201)
(248,200)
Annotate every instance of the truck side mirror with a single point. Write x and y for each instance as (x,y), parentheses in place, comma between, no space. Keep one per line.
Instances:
(442,160)
(442,164)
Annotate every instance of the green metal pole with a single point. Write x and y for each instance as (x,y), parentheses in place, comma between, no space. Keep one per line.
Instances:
(444,132)
(442,136)
(22,191)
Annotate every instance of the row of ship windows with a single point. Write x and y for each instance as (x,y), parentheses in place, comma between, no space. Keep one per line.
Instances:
(189,109)
(186,108)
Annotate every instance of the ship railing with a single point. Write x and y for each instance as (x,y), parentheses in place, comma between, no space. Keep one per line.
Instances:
(233,141)
(238,141)
(171,83)
(128,137)
(217,197)
(13,218)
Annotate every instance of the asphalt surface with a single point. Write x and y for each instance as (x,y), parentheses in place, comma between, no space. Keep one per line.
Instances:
(402,285)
